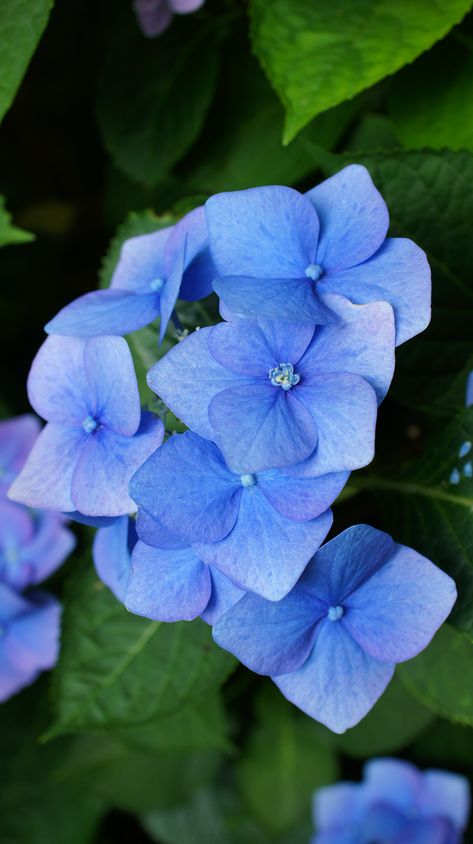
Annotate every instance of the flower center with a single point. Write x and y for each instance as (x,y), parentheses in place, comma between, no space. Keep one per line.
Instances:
(313,271)
(156,284)
(89,424)
(284,376)
(335,613)
(11,554)
(247,480)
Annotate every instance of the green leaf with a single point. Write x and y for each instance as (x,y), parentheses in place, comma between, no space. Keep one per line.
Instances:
(36,808)
(283,763)
(153,98)
(119,670)
(445,745)
(441,113)
(441,677)
(319,54)
(429,508)
(10,234)
(22,23)
(395,720)
(430,199)
(200,821)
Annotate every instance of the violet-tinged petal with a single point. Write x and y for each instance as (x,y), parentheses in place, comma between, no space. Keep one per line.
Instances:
(301,498)
(398,273)
(100,312)
(188,377)
(291,299)
(271,637)
(17,437)
(154,16)
(57,383)
(339,683)
(382,822)
(362,343)
(113,384)
(267,232)
(342,565)
(336,804)
(47,549)
(261,426)
(447,795)
(253,348)
(393,781)
(197,497)
(344,408)
(395,613)
(106,464)
(353,217)
(16,525)
(223,596)
(431,831)
(265,552)
(183,7)
(141,262)
(167,585)
(46,479)
(111,553)
(469,390)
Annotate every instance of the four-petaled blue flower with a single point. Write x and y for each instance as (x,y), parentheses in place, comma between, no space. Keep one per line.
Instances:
(274,394)
(396,804)
(29,638)
(278,253)
(362,605)
(257,529)
(95,438)
(154,16)
(153,270)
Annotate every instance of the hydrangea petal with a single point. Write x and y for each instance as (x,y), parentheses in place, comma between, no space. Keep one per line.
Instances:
(167,585)
(392,781)
(339,683)
(432,831)
(342,565)
(253,348)
(395,613)
(301,498)
(112,379)
(105,312)
(106,464)
(141,261)
(182,7)
(154,16)
(17,437)
(188,377)
(267,232)
(291,299)
(46,479)
(261,426)
(154,533)
(265,552)
(398,273)
(58,388)
(362,343)
(447,795)
(170,291)
(197,497)
(32,642)
(223,596)
(336,803)
(271,637)
(200,269)
(345,409)
(16,525)
(111,555)
(353,216)
(47,550)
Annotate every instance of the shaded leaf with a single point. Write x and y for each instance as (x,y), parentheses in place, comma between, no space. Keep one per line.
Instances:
(10,234)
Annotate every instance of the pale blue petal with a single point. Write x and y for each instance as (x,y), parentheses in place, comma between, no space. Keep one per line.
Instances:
(336,804)
(141,261)
(47,549)
(17,437)
(393,781)
(223,596)
(447,795)
(154,533)
(199,268)
(113,384)
(253,347)
(301,498)
(58,388)
(111,554)
(291,299)
(105,312)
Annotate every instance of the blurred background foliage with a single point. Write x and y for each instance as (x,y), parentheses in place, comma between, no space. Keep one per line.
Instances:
(147,732)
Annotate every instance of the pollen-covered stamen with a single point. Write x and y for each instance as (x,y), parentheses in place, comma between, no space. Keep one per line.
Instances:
(89,424)
(313,271)
(335,613)
(156,284)
(284,376)
(247,480)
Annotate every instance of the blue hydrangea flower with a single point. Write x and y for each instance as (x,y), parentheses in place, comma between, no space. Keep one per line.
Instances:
(153,270)
(158,575)
(29,638)
(278,253)
(154,16)
(95,438)
(17,437)
(32,545)
(362,605)
(257,529)
(273,394)
(396,804)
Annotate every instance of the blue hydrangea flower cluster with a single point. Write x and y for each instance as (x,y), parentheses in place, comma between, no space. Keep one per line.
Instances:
(281,403)
(396,804)
(33,544)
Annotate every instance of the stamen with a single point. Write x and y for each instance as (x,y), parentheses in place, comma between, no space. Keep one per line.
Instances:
(89,424)
(335,613)
(313,271)
(284,376)
(156,284)
(247,480)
